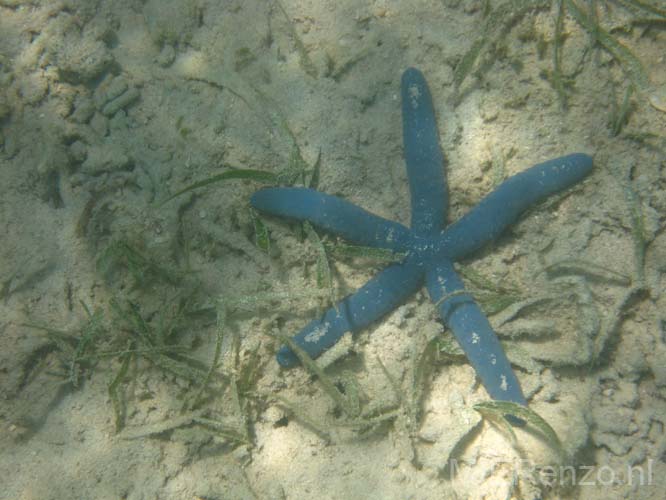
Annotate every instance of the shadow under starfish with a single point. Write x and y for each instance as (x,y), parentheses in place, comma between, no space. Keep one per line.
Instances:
(430,250)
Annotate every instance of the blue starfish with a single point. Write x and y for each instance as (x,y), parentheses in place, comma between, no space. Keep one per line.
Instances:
(430,251)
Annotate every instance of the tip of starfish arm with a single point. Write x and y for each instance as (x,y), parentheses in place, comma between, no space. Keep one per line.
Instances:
(581,161)
(286,357)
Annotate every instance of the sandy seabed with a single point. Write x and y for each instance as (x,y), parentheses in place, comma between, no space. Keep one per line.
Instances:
(107,108)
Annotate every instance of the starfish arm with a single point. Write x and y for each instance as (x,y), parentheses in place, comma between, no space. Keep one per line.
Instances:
(473,332)
(333,214)
(423,156)
(376,298)
(504,205)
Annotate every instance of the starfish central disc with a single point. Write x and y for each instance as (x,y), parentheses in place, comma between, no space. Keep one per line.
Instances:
(423,249)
